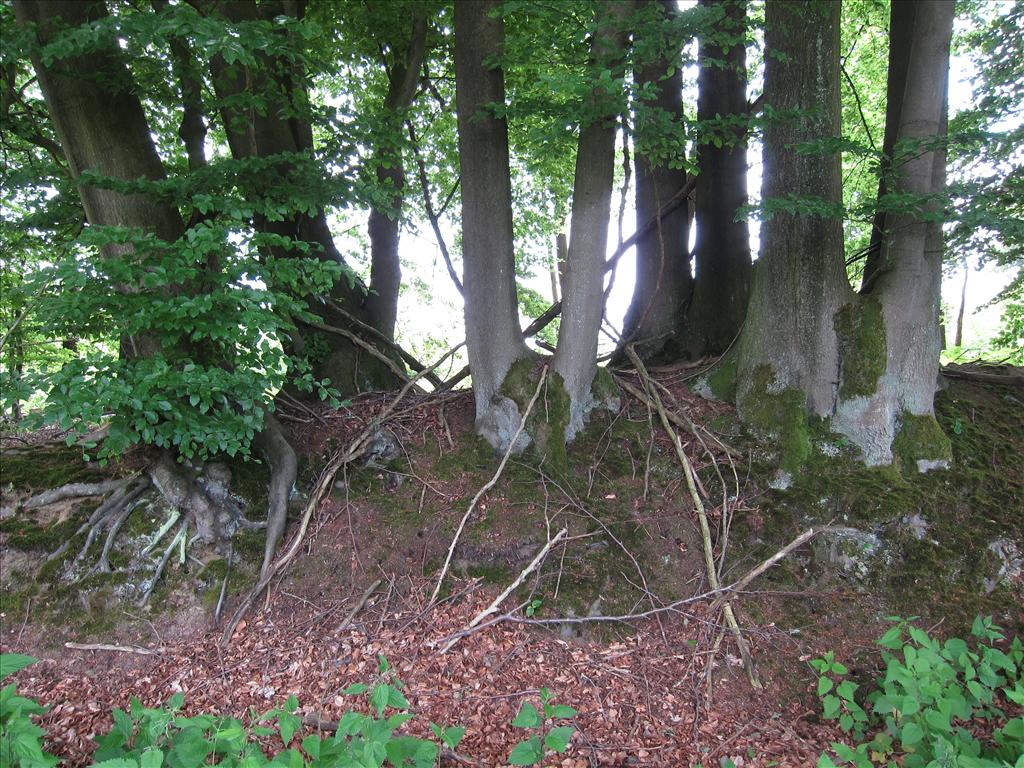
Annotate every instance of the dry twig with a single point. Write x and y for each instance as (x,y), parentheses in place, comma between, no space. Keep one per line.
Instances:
(489,484)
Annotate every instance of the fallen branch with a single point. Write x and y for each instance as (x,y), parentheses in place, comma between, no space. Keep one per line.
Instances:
(489,484)
(362,344)
(675,418)
(705,528)
(720,594)
(323,484)
(76,491)
(415,365)
(493,607)
(115,648)
(358,606)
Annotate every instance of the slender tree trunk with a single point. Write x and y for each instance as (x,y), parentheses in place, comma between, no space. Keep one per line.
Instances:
(958,340)
(663,279)
(901,25)
(493,337)
(385,266)
(788,353)
(722,250)
(582,290)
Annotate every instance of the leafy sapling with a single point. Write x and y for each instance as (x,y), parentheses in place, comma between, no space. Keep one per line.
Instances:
(547,735)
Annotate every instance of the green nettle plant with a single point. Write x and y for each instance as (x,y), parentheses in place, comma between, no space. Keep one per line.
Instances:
(933,698)
(547,736)
(20,738)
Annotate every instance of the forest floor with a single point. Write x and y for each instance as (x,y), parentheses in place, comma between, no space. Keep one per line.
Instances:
(648,691)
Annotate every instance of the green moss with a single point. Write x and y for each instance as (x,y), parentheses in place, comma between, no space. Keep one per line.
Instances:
(550,415)
(27,536)
(860,329)
(721,379)
(43,468)
(779,415)
(604,388)
(920,437)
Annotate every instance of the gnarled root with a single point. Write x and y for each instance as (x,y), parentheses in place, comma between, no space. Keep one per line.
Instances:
(279,454)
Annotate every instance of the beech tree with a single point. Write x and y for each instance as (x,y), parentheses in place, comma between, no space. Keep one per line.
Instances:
(106,140)
(722,250)
(810,347)
(663,284)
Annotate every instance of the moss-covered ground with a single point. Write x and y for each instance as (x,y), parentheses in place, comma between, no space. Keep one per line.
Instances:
(935,528)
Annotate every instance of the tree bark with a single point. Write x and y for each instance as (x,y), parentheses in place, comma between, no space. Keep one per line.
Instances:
(722,249)
(788,353)
(899,415)
(582,289)
(866,363)
(493,337)
(901,25)
(663,279)
(385,266)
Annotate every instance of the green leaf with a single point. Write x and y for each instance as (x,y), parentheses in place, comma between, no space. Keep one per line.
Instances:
(824,686)
(911,734)
(13,662)
(152,758)
(528,717)
(355,689)
(528,752)
(562,712)
(830,705)
(558,738)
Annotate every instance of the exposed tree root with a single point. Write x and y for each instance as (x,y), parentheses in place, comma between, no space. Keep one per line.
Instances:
(75,491)
(279,454)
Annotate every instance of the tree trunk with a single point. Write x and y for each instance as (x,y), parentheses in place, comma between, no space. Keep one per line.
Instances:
(385,266)
(958,339)
(898,416)
(103,129)
(582,290)
(788,353)
(663,280)
(722,250)
(868,364)
(279,131)
(901,25)
(493,338)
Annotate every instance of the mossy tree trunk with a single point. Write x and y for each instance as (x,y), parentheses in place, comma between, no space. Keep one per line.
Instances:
(810,347)
(281,129)
(663,279)
(582,290)
(494,340)
(788,353)
(722,248)
(907,278)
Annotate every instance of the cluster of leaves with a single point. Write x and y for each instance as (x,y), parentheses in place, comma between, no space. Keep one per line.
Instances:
(20,738)
(921,713)
(154,737)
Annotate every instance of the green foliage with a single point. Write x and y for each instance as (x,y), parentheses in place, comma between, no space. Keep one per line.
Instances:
(547,736)
(921,712)
(20,738)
